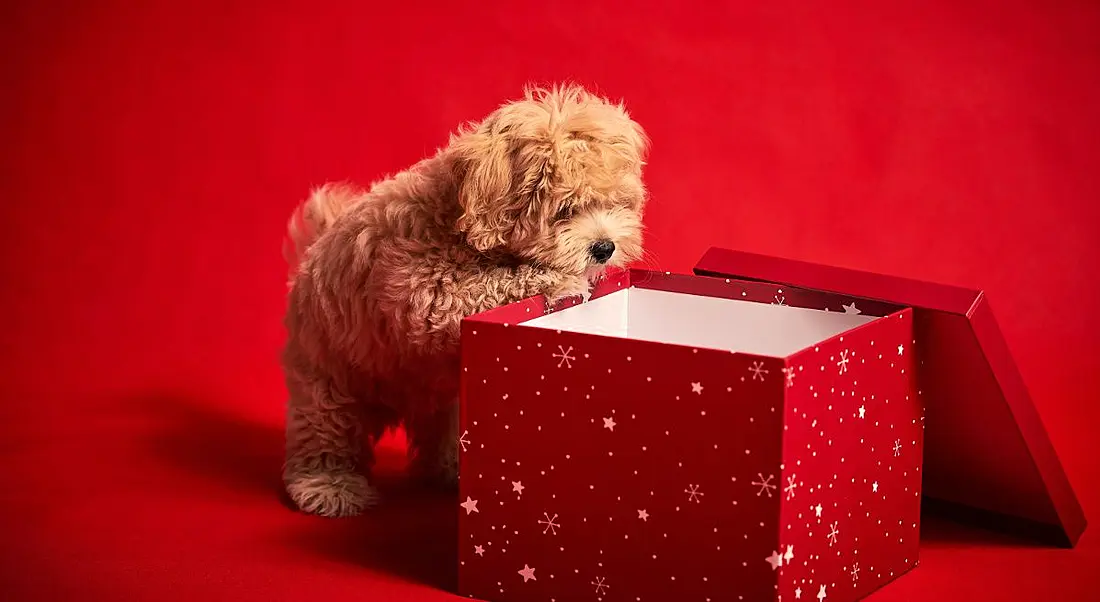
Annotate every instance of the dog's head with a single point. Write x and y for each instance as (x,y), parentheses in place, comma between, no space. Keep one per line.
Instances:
(556,179)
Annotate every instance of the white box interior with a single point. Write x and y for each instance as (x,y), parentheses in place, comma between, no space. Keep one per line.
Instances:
(704,322)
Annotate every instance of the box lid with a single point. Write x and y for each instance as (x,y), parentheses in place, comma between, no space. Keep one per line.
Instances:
(987,454)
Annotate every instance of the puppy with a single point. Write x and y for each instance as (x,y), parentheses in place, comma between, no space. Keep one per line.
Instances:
(539,198)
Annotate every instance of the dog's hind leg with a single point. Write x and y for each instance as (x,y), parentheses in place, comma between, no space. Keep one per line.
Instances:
(324,453)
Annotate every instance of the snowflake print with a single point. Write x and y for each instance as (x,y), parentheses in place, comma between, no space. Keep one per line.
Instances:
(551,524)
(758,371)
(843,363)
(789,489)
(463,441)
(765,485)
(780,300)
(565,356)
(855,571)
(601,585)
(790,376)
(694,495)
(833,532)
(897,447)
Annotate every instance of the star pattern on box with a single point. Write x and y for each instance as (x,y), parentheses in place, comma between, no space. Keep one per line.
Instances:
(527,573)
(677,487)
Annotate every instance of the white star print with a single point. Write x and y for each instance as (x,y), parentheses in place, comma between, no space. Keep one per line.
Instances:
(697,388)
(776,560)
(901,349)
(517,487)
(862,411)
(527,573)
(479,550)
(798,593)
(874,487)
(643,515)
(817,509)
(821,595)
(851,309)
(609,424)
(470,505)
(789,556)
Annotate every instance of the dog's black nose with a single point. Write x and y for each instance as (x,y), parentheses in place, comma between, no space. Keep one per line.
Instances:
(602,250)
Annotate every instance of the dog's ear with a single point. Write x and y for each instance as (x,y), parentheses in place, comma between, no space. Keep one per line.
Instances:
(483,168)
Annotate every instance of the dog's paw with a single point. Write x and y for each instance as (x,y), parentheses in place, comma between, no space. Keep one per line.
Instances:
(568,287)
(332,494)
(437,470)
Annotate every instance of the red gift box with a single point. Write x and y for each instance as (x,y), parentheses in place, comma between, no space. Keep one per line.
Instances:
(618,450)
(683,437)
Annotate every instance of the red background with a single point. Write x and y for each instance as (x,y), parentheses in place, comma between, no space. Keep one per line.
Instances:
(151,157)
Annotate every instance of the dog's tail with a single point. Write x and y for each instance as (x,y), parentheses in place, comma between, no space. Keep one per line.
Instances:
(312,218)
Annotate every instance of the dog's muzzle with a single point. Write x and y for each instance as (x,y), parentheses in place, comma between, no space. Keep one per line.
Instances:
(602,250)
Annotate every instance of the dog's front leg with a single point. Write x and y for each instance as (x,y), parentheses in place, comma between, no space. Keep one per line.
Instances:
(554,285)
(433,443)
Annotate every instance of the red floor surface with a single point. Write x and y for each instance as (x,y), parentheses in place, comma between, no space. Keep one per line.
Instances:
(152,152)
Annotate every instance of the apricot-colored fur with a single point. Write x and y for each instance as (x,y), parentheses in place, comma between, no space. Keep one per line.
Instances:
(381,278)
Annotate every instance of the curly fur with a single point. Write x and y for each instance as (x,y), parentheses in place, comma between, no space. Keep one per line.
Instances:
(380,279)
